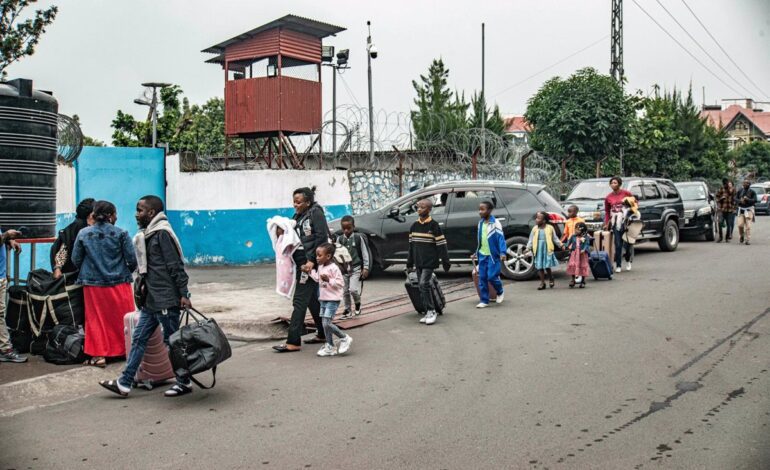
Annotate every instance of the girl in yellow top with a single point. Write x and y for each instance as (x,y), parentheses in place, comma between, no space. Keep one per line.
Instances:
(542,243)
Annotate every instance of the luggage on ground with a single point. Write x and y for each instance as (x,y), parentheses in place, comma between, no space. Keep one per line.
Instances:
(65,345)
(198,346)
(475,276)
(413,289)
(603,242)
(17,319)
(54,301)
(155,367)
(600,264)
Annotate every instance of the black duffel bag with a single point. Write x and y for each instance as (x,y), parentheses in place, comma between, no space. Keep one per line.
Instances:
(54,301)
(65,345)
(197,347)
(17,319)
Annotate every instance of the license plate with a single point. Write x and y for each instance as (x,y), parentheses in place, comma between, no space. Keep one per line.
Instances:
(686,221)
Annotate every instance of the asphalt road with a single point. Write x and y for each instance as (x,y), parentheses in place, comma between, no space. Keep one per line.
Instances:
(664,367)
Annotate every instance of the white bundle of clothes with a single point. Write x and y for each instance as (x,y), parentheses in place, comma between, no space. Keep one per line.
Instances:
(285,241)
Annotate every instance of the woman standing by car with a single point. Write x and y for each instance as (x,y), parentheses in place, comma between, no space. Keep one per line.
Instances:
(105,256)
(614,217)
(313,232)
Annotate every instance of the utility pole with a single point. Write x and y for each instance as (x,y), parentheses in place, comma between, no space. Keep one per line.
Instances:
(483,101)
(153,107)
(616,51)
(371,53)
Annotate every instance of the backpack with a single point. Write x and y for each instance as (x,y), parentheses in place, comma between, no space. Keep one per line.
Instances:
(360,239)
(342,258)
(65,345)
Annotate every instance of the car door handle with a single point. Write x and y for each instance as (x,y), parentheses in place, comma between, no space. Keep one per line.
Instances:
(501,219)
(441,223)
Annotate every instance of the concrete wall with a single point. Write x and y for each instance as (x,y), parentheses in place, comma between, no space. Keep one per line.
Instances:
(220,217)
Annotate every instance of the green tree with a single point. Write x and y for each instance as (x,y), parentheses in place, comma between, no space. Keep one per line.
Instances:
(128,132)
(753,158)
(494,120)
(87,141)
(439,110)
(582,120)
(18,37)
(672,140)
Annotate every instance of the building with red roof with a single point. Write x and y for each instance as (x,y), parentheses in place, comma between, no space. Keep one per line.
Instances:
(743,124)
(518,127)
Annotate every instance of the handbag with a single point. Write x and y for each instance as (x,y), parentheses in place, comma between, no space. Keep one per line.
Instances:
(198,346)
(140,290)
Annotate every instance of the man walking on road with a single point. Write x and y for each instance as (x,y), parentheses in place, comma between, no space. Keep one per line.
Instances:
(726,209)
(159,256)
(746,198)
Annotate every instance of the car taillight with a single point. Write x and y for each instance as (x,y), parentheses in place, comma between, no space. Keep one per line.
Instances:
(556,218)
(764,198)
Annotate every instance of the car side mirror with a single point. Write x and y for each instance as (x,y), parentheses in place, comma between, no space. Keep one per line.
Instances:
(562,197)
(711,197)
(394,212)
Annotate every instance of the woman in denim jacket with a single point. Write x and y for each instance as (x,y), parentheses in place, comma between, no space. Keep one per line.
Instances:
(105,256)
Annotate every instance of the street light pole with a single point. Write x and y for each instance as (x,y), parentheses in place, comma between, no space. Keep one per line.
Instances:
(371,108)
(483,100)
(153,107)
(334,111)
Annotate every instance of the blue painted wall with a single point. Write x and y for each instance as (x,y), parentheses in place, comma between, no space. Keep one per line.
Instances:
(121,175)
(235,236)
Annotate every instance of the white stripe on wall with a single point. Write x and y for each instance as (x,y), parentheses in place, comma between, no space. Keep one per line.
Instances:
(250,189)
(65,189)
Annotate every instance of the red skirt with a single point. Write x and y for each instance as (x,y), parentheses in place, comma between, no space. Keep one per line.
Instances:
(578,264)
(105,309)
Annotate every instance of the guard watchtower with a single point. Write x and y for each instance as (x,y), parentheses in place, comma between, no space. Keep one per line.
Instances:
(273,82)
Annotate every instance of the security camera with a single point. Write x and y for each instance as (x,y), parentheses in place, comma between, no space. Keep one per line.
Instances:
(372,52)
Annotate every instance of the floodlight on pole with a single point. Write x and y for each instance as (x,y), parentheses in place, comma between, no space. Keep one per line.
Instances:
(342,64)
(153,106)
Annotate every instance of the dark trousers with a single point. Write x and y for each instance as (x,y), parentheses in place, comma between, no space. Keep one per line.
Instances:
(729,219)
(305,296)
(424,275)
(620,246)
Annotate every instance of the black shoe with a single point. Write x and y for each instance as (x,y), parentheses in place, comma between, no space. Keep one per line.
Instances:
(748,243)
(177,390)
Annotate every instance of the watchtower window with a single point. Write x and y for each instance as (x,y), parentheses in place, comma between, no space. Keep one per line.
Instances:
(299,69)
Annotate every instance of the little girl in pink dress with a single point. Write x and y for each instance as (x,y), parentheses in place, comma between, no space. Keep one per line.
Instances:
(579,246)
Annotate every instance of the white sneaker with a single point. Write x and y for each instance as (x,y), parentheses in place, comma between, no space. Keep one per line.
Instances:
(344,344)
(500,298)
(430,318)
(578,279)
(424,317)
(482,305)
(628,266)
(327,351)
(618,269)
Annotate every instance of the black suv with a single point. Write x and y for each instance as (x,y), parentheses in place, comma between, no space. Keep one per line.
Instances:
(660,206)
(700,209)
(456,209)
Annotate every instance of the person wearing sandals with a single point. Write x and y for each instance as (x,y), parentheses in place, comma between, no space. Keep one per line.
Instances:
(313,232)
(542,243)
(579,246)
(161,296)
(105,257)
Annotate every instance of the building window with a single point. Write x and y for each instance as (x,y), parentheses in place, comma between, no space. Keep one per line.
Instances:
(740,126)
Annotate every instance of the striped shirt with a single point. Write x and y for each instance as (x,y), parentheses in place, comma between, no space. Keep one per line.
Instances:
(427,245)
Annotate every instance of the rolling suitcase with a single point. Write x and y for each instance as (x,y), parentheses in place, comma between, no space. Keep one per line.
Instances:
(603,242)
(156,365)
(600,264)
(475,276)
(412,285)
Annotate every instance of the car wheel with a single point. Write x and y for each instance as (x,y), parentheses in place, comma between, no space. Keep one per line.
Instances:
(670,238)
(518,266)
(712,232)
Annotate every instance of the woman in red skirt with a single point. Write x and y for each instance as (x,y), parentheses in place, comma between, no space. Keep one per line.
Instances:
(105,256)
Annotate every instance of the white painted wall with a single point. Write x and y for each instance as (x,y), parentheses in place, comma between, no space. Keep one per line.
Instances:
(65,189)
(250,189)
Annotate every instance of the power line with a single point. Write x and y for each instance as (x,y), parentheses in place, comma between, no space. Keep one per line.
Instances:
(685,49)
(724,51)
(552,65)
(703,48)
(349,91)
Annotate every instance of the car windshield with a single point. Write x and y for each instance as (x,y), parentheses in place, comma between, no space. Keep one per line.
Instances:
(691,192)
(590,190)
(758,189)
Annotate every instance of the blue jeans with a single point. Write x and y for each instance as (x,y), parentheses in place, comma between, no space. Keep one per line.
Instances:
(328,309)
(489,272)
(620,245)
(145,327)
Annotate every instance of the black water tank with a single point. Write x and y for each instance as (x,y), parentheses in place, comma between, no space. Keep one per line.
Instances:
(27,159)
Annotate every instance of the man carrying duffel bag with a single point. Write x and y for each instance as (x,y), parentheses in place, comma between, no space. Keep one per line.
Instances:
(160,291)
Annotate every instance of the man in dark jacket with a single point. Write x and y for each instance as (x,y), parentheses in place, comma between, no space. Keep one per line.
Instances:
(746,199)
(313,231)
(161,265)
(61,250)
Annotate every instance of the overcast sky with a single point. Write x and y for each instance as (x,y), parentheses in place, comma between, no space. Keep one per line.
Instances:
(97,52)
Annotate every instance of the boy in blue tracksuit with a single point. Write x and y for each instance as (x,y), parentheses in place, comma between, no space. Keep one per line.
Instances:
(490,253)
